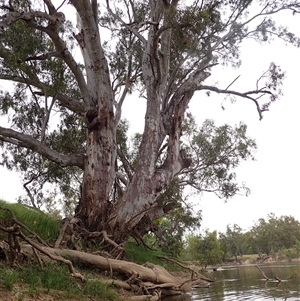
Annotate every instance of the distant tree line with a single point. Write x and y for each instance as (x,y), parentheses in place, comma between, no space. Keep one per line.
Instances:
(273,236)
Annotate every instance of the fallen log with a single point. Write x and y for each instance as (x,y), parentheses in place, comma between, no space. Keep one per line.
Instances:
(148,273)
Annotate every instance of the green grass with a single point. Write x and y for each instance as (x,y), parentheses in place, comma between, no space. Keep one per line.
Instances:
(140,255)
(54,279)
(8,278)
(41,223)
(97,288)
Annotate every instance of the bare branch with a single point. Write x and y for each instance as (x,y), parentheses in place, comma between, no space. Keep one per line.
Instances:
(51,7)
(244,95)
(232,82)
(46,119)
(30,194)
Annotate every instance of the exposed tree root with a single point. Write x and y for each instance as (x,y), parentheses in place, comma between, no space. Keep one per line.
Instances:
(149,281)
(177,262)
(194,272)
(61,233)
(199,281)
(149,273)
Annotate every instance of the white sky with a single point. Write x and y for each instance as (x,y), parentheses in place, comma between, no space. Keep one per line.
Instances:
(273,178)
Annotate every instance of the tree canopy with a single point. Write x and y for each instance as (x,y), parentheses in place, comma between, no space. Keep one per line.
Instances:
(64,110)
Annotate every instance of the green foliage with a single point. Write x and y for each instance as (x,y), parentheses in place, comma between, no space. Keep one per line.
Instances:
(206,249)
(273,234)
(139,254)
(293,252)
(216,152)
(43,224)
(179,218)
(232,242)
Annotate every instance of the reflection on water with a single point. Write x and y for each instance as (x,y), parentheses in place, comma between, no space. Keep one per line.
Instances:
(184,297)
(247,283)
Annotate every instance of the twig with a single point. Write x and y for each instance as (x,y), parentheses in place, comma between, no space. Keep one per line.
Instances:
(37,257)
(53,256)
(22,226)
(232,82)
(61,234)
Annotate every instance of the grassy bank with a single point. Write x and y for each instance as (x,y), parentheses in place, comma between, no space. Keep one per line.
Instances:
(53,281)
(50,282)
(29,280)
(40,223)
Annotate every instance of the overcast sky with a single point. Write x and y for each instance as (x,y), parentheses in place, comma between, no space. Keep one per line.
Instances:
(274,177)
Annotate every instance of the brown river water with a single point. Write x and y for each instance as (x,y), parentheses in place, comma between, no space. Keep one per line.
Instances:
(241,283)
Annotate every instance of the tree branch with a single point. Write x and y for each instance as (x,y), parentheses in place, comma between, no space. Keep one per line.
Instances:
(131,27)
(71,104)
(23,140)
(51,30)
(46,119)
(244,95)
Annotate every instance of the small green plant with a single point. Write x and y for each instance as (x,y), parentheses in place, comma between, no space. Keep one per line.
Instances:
(9,277)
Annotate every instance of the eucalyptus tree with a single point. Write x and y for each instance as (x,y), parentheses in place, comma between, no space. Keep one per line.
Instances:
(232,241)
(275,233)
(205,248)
(64,110)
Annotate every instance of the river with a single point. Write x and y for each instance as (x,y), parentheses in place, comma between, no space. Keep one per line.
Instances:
(241,283)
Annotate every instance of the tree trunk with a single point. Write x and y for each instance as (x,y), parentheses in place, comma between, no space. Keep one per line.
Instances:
(99,173)
(99,167)
(96,208)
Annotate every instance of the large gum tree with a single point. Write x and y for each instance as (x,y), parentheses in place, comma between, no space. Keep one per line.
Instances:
(65,106)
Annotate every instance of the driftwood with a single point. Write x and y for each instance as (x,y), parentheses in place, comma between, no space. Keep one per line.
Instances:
(265,276)
(149,272)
